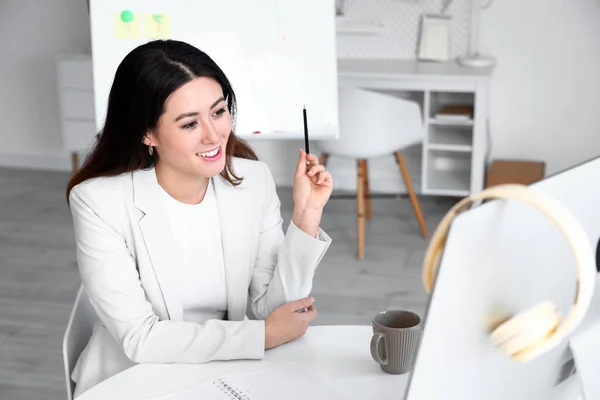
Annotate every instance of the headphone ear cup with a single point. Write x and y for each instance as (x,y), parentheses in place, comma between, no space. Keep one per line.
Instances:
(526,329)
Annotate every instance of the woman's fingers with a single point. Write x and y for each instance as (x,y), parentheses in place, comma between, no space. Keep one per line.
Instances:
(312,159)
(301,304)
(289,321)
(311,313)
(301,167)
(324,176)
(315,169)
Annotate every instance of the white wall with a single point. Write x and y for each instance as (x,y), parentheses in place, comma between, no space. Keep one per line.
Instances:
(545,96)
(33,33)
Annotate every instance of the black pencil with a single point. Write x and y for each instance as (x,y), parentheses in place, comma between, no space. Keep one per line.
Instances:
(305,131)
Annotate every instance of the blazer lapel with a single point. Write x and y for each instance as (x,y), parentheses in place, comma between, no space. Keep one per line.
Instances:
(235,232)
(159,240)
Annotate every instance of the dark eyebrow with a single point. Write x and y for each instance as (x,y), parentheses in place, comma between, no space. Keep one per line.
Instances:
(220,99)
(184,115)
(193,114)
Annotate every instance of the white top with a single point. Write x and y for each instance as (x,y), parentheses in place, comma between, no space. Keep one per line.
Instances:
(197,234)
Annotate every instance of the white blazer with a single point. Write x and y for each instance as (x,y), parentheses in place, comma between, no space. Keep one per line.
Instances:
(129,269)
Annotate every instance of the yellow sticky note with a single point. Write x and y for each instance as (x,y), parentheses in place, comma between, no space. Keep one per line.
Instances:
(158,26)
(127,25)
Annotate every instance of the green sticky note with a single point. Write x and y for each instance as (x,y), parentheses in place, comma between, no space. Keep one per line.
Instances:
(127,16)
(158,18)
(158,25)
(127,25)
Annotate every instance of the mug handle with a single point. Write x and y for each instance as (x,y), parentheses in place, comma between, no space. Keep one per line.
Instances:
(375,341)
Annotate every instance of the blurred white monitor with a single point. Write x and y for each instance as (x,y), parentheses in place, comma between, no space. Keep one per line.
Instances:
(505,255)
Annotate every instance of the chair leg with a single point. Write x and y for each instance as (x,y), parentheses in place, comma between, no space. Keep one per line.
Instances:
(74,162)
(323,160)
(360,209)
(369,212)
(411,194)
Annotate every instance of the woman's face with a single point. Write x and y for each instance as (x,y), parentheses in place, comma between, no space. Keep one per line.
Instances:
(191,136)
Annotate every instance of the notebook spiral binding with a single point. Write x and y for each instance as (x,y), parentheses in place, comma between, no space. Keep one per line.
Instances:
(230,391)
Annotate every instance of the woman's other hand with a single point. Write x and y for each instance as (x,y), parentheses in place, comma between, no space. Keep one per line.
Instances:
(286,324)
(312,188)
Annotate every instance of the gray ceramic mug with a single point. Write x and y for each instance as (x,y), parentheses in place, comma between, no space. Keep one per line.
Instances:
(395,340)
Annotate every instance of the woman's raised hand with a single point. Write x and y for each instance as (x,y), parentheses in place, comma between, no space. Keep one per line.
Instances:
(312,188)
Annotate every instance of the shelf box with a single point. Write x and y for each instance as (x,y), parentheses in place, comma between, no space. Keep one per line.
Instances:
(451,137)
(439,100)
(448,173)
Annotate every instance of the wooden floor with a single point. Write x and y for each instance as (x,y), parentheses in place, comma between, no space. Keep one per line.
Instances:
(39,276)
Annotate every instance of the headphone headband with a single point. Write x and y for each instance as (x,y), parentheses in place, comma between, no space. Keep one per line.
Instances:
(568,225)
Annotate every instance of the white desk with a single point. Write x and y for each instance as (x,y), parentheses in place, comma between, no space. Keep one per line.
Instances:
(339,355)
(454,154)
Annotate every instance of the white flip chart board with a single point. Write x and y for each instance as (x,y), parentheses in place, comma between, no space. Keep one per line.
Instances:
(279,55)
(504,256)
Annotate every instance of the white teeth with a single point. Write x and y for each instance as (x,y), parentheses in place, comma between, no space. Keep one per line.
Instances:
(211,153)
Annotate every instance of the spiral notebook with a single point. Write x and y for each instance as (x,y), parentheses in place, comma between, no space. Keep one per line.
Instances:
(283,382)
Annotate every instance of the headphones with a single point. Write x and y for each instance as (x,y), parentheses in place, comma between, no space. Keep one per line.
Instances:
(538,329)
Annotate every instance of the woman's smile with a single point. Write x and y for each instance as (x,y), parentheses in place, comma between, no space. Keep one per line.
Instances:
(211,155)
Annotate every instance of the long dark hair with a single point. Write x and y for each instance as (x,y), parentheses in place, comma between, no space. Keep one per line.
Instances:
(143,81)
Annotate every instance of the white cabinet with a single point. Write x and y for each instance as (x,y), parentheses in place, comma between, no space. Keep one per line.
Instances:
(454,151)
(76,98)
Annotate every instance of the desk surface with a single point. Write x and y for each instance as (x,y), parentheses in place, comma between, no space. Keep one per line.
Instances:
(390,68)
(338,355)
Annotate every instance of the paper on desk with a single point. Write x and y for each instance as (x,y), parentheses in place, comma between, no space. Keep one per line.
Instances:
(585,346)
(206,390)
(284,381)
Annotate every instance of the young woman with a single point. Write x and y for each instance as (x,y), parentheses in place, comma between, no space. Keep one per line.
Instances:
(178,226)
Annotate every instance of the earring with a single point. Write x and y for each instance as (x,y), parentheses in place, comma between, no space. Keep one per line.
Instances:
(150,150)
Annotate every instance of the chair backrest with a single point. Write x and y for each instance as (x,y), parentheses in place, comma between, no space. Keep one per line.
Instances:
(374,124)
(77,335)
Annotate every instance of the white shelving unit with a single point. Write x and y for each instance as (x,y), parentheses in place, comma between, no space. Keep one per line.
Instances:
(453,159)
(448,145)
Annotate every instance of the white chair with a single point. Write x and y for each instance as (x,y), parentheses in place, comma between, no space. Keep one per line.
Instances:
(372,125)
(78,333)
